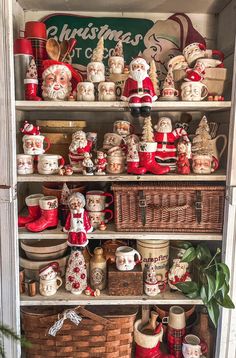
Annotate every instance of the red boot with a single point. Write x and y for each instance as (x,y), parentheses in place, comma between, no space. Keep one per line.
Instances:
(49,215)
(134,168)
(141,352)
(32,202)
(147,152)
(31,87)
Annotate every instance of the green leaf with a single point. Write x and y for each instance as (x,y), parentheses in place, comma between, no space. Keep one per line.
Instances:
(214,311)
(187,287)
(184,245)
(189,255)
(192,295)
(211,286)
(220,280)
(228,303)
(204,294)
(225,269)
(224,289)
(203,253)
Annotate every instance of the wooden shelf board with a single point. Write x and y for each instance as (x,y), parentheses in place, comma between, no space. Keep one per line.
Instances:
(110,233)
(63,297)
(220,175)
(121,106)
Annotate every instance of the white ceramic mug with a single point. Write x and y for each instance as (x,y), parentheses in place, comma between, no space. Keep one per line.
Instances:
(193,347)
(152,289)
(204,164)
(85,91)
(48,163)
(97,217)
(170,92)
(106,91)
(176,318)
(122,128)
(210,62)
(125,258)
(25,164)
(49,287)
(116,64)
(34,144)
(96,200)
(197,50)
(193,91)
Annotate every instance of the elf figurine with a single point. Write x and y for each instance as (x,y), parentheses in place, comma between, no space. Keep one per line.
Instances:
(138,89)
(100,163)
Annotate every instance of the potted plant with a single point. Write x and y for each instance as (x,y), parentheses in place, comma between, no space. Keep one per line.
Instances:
(210,279)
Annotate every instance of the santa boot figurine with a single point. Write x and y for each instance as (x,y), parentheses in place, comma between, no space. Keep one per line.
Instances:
(31,83)
(133,166)
(147,151)
(32,202)
(48,215)
(77,222)
(139,90)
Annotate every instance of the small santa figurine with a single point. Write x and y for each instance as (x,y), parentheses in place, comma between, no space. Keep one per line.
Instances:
(100,163)
(138,89)
(77,222)
(182,164)
(178,273)
(87,163)
(165,138)
(30,129)
(79,145)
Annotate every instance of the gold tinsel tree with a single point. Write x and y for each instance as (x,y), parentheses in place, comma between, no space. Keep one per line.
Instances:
(202,141)
(98,52)
(154,78)
(147,133)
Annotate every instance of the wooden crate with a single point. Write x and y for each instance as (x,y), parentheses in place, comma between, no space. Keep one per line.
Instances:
(125,283)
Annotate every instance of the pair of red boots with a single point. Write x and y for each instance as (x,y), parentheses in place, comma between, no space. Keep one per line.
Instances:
(42,213)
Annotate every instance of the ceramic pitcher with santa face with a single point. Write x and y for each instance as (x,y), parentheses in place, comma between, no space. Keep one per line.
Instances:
(50,163)
(34,144)
(125,258)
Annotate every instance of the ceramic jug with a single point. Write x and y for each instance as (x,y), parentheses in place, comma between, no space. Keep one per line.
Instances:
(214,141)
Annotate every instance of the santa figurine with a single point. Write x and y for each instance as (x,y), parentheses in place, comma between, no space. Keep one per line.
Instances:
(182,164)
(138,89)
(30,129)
(79,145)
(57,80)
(165,138)
(77,222)
(178,273)
(100,163)
(87,163)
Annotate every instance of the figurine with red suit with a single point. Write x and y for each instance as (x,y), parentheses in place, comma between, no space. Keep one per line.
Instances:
(79,145)
(100,163)
(183,165)
(138,89)
(30,129)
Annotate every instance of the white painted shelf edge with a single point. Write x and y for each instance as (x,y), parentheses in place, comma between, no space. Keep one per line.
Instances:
(63,297)
(117,106)
(220,175)
(110,233)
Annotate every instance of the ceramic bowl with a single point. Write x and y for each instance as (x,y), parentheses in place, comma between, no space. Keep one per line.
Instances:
(41,250)
(55,189)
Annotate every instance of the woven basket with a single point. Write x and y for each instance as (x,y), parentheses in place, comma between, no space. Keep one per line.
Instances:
(180,207)
(107,335)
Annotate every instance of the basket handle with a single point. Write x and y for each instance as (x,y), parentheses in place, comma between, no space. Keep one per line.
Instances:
(92,315)
(172,208)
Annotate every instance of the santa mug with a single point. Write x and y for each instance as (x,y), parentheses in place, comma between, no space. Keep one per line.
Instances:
(95,72)
(123,128)
(106,91)
(193,91)
(48,163)
(111,140)
(85,91)
(49,287)
(116,64)
(197,50)
(34,144)
(170,92)
(96,200)
(25,164)
(97,217)
(125,258)
(204,163)
(193,347)
(152,289)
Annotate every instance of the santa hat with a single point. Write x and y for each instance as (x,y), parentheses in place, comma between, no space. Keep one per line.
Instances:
(52,65)
(139,61)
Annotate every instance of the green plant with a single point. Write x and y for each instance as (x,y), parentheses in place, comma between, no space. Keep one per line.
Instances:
(7,332)
(212,279)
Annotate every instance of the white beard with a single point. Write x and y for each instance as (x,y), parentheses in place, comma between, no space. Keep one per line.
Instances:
(164,128)
(106,97)
(86,97)
(56,95)
(179,272)
(138,75)
(116,69)
(96,77)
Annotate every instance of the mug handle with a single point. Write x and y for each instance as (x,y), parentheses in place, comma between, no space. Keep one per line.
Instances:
(224,145)
(215,164)
(108,195)
(176,92)
(161,285)
(218,54)
(60,282)
(61,161)
(165,320)
(204,347)
(204,92)
(55,266)
(139,257)
(48,144)
(109,212)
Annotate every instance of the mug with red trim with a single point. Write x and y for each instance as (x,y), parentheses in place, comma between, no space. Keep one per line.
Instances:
(97,217)
(152,289)
(98,200)
(193,347)
(34,144)
(50,163)
(204,163)
(197,50)
(170,92)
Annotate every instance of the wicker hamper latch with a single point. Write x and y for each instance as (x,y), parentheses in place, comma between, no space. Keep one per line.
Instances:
(198,206)
(142,203)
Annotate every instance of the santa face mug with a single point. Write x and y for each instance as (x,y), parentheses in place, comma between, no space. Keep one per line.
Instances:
(125,258)
(116,64)
(111,140)
(152,289)
(34,144)
(48,163)
(85,91)
(122,128)
(56,83)
(96,200)
(97,217)
(25,164)
(197,50)
(170,93)
(193,91)
(193,347)
(106,91)
(49,287)
(95,72)
(204,163)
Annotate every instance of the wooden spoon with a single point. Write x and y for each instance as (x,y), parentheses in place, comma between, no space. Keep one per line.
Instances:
(53,49)
(149,328)
(64,49)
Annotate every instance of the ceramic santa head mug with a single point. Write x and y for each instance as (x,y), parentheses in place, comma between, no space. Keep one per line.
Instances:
(85,91)
(48,163)
(34,144)
(125,258)
(56,83)
(96,200)
(193,91)
(197,50)
(106,91)
(193,347)
(49,281)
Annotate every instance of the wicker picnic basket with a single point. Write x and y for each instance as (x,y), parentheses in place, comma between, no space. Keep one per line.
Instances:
(104,332)
(179,207)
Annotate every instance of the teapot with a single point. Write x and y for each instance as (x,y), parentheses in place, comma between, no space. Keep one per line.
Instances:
(125,258)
